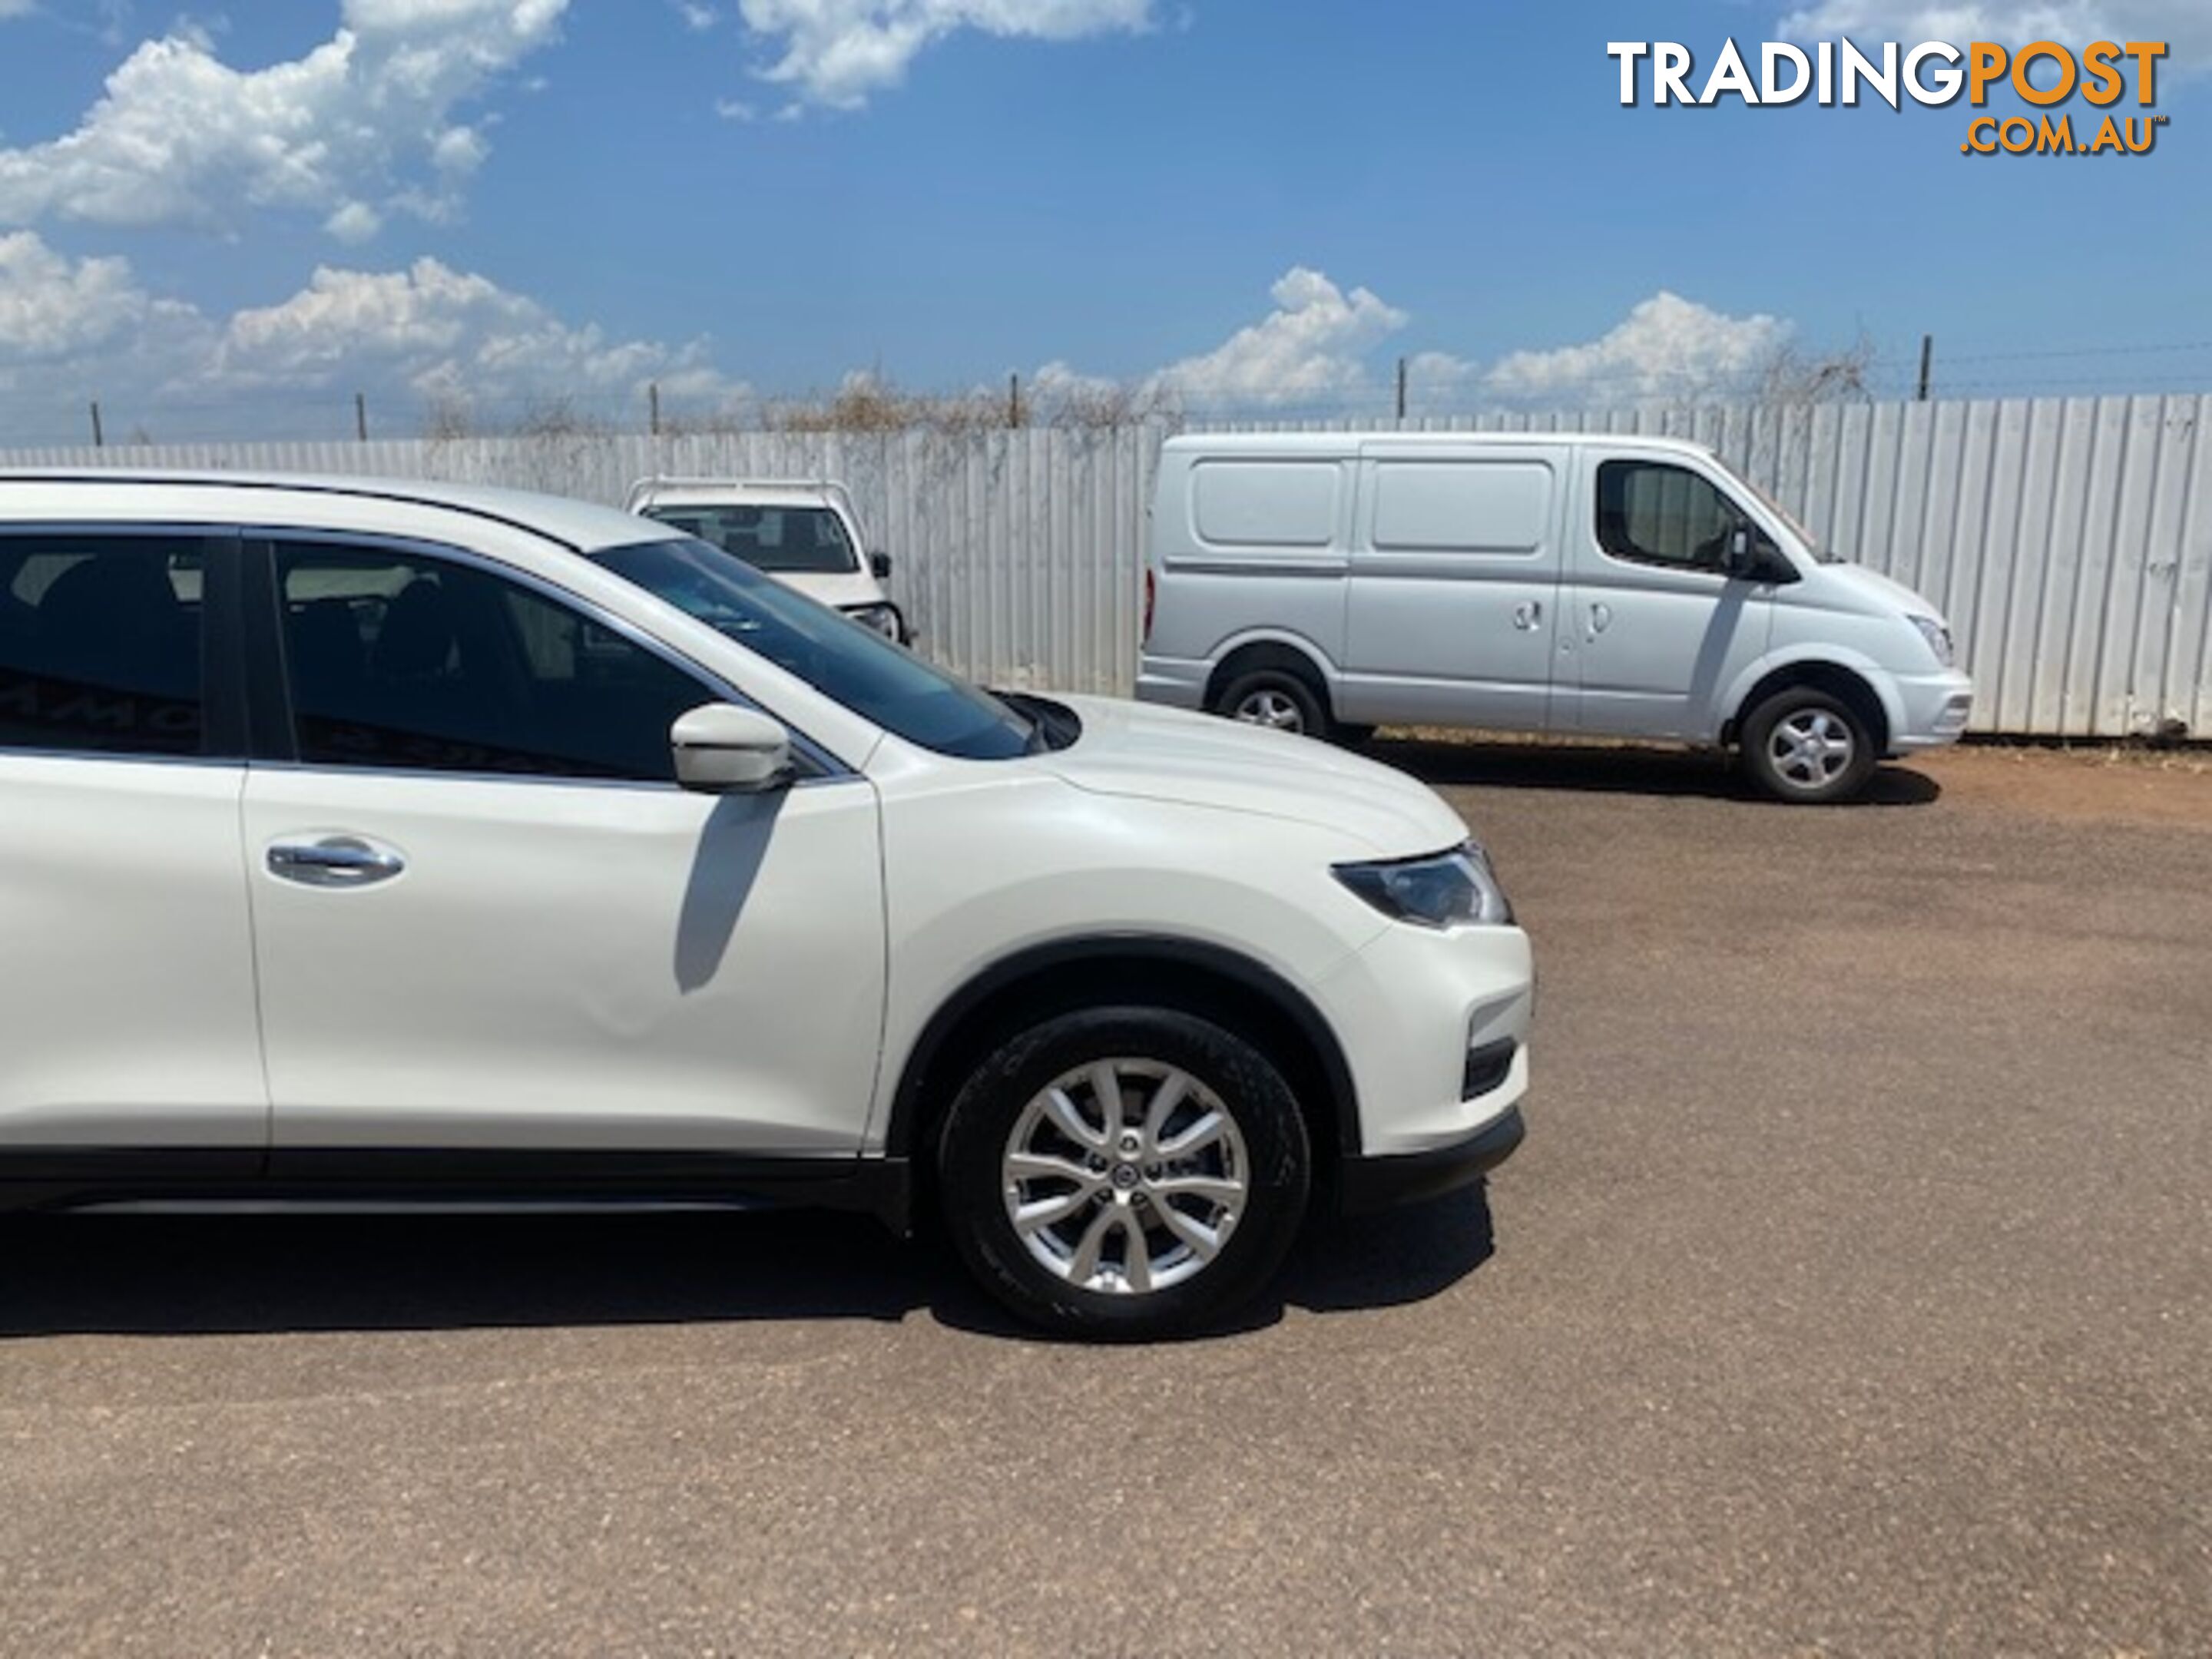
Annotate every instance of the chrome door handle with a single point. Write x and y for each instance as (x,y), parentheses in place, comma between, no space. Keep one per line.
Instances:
(334,861)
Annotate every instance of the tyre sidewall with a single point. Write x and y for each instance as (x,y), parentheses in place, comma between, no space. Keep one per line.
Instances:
(1758,731)
(990,1102)
(1312,707)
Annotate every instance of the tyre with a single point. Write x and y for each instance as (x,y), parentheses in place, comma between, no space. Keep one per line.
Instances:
(1281,699)
(1123,1172)
(1808,746)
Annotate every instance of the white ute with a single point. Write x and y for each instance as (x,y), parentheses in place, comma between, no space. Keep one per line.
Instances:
(408,843)
(805,534)
(1598,585)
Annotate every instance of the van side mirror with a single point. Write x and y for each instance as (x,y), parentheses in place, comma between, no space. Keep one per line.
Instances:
(723,749)
(880,563)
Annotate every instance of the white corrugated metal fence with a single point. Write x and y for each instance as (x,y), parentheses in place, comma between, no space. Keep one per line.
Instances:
(2067,540)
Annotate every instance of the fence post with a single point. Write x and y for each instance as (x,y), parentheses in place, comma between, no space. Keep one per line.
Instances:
(360,415)
(1401,391)
(1927,363)
(98,437)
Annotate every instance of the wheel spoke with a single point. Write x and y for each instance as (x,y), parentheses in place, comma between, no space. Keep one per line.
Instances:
(1083,1265)
(1050,1212)
(1136,1256)
(1061,1108)
(1042,1166)
(1207,1130)
(1204,1241)
(1213,1189)
(1169,1095)
(1106,1089)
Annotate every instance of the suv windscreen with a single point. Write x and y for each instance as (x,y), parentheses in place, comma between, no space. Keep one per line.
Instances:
(785,541)
(876,679)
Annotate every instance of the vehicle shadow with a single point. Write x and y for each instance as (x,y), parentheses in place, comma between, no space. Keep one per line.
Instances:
(264,1274)
(1612,771)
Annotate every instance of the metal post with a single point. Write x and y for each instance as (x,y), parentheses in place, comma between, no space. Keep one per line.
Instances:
(360,415)
(1013,400)
(98,437)
(653,407)
(1927,363)
(1402,391)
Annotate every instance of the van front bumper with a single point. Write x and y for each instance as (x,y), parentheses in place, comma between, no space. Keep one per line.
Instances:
(1936,709)
(1173,682)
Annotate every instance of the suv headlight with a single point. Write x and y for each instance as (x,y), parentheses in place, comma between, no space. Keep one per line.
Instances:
(1938,638)
(883,618)
(1457,889)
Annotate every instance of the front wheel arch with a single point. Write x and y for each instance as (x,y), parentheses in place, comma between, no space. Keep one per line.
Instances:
(1845,685)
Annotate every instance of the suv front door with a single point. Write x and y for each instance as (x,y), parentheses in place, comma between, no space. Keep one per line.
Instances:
(487,918)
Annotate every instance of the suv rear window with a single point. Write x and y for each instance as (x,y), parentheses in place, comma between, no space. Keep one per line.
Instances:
(785,541)
(100,644)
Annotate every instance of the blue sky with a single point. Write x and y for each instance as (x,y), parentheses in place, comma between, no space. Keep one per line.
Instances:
(228,222)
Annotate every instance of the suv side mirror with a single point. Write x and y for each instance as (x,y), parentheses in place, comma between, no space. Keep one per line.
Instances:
(880,563)
(723,749)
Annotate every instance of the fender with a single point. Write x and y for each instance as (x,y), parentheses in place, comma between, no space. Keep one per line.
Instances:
(1288,640)
(1877,679)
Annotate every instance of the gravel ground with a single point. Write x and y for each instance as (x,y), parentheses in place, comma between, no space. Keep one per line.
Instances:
(1852,1295)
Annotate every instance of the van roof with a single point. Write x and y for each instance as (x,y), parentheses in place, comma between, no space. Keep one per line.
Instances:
(582,526)
(1342,443)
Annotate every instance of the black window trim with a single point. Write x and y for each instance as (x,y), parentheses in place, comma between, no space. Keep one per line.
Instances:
(224,697)
(1643,561)
(275,746)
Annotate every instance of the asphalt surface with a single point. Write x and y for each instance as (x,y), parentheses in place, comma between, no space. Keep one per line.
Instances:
(1853,1295)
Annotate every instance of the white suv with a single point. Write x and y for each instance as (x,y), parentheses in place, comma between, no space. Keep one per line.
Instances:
(807,535)
(405,844)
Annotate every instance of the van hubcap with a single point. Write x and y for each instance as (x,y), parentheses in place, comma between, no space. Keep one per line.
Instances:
(1811,748)
(1271,708)
(1125,1176)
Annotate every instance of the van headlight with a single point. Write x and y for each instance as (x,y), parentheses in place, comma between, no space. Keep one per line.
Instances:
(884,619)
(1457,889)
(1938,637)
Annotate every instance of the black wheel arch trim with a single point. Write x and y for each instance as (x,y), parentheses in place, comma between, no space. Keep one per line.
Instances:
(909,1106)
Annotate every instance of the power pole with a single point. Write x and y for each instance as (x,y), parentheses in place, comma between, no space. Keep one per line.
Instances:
(98,437)
(360,415)
(1402,391)
(653,407)
(1927,363)
(1013,400)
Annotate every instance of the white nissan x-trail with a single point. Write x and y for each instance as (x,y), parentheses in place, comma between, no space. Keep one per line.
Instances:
(393,843)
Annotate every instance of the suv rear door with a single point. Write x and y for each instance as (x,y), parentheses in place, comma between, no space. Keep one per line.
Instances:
(126,983)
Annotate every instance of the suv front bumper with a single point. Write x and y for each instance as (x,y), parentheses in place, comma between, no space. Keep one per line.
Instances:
(1365,1185)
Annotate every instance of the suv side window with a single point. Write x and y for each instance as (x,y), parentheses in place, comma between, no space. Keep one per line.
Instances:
(399,659)
(1651,513)
(100,644)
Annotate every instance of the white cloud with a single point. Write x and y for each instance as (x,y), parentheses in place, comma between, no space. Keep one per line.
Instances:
(16,8)
(697,18)
(72,329)
(838,53)
(1667,349)
(360,122)
(2184,25)
(1312,347)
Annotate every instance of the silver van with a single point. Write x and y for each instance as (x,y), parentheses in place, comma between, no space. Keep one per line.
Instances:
(1614,587)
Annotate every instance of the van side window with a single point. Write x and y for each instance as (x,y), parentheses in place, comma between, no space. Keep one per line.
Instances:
(398,660)
(1653,514)
(100,644)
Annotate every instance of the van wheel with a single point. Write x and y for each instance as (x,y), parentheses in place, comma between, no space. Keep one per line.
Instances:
(1124,1172)
(1807,746)
(1281,699)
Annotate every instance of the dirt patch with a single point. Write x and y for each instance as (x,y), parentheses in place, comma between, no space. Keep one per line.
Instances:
(2111,784)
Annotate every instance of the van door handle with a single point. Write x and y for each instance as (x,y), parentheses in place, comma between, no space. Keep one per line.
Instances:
(334,861)
(1527,615)
(1600,617)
